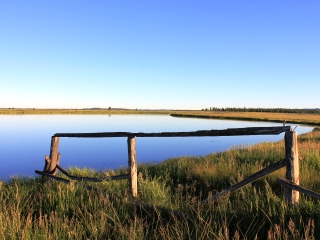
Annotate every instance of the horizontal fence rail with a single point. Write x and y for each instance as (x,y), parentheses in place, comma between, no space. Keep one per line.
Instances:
(200,133)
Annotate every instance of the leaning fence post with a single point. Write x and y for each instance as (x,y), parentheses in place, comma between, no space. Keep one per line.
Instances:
(54,155)
(132,162)
(292,165)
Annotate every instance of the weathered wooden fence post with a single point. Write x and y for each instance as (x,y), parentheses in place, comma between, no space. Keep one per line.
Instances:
(292,166)
(54,156)
(132,162)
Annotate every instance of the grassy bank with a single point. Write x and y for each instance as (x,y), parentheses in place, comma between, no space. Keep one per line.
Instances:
(299,118)
(31,210)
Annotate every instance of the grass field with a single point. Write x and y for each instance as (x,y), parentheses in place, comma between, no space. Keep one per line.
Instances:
(171,192)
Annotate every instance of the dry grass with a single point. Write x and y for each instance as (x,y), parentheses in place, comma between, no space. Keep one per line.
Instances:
(312,119)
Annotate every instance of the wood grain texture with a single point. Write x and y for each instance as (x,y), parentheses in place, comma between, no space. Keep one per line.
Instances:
(200,133)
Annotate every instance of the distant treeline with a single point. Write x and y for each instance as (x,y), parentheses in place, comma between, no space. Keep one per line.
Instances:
(270,110)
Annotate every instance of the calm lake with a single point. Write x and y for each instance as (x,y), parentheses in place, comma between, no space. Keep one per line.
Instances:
(25,140)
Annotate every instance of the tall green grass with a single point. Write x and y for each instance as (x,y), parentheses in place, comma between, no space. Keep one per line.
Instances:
(170,193)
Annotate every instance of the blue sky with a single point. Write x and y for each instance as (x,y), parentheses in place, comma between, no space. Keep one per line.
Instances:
(159,54)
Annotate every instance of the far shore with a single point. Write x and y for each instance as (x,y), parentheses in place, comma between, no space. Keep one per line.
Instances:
(298,118)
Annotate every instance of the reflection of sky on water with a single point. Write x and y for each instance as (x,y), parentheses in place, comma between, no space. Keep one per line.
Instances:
(26,140)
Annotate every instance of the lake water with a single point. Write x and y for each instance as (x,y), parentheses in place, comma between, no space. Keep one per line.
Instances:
(25,140)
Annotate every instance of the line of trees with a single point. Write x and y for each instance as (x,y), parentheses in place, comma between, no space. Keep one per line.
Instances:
(271,110)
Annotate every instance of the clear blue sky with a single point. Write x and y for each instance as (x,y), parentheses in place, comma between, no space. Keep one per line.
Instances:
(155,54)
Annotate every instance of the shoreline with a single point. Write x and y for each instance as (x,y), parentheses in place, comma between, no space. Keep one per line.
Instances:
(298,118)
(312,124)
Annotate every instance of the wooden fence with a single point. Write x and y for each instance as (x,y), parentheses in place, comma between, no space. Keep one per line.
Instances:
(291,160)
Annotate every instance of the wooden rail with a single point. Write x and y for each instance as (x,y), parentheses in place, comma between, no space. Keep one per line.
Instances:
(119,177)
(291,161)
(288,184)
(271,168)
(200,133)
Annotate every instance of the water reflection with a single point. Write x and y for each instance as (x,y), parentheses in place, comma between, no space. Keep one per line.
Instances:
(26,140)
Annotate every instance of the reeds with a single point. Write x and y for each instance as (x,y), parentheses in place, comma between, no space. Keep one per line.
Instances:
(168,203)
